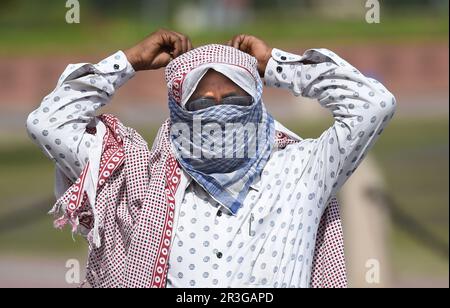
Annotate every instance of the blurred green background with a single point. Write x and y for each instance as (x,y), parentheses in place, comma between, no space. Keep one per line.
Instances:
(412,153)
(40,27)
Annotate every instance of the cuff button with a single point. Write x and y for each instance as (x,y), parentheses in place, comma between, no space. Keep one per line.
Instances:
(279,69)
(116,66)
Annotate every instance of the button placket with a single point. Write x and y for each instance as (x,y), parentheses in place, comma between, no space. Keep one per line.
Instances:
(218,251)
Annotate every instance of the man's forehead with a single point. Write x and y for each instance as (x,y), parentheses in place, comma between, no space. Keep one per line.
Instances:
(208,56)
(214,81)
(213,76)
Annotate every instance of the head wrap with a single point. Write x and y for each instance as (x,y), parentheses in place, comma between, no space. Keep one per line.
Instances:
(224,148)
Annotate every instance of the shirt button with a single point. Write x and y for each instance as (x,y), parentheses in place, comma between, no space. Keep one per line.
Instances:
(279,69)
(219,255)
(116,66)
(219,213)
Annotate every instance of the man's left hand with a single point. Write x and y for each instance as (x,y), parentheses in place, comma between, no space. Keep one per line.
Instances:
(254,47)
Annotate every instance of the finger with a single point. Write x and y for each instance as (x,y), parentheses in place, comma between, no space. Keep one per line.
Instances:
(183,40)
(246,43)
(231,42)
(162,60)
(174,42)
(187,44)
(190,46)
(239,39)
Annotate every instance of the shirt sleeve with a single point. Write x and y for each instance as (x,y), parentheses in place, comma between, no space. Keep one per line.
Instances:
(361,108)
(58,125)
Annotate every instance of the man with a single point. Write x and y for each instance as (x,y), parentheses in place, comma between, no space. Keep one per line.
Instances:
(227,197)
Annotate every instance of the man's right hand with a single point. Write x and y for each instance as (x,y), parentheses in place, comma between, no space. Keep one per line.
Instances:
(157,50)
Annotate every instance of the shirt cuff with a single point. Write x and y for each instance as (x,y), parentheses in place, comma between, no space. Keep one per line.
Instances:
(282,70)
(116,64)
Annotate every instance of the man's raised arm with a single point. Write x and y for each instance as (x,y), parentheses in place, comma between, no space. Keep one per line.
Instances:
(58,125)
(361,106)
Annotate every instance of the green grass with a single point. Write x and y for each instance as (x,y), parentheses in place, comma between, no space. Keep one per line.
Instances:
(413,155)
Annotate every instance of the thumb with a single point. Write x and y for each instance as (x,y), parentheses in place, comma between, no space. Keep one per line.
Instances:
(161,60)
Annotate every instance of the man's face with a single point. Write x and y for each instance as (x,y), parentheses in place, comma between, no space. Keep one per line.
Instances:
(215,88)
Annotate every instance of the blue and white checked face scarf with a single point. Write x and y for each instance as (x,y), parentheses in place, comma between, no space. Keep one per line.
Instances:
(224,148)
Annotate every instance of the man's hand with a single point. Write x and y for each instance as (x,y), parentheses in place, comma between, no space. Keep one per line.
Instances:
(254,47)
(157,50)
